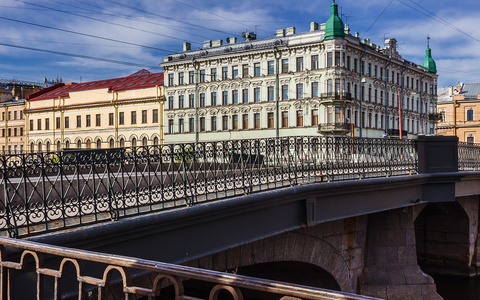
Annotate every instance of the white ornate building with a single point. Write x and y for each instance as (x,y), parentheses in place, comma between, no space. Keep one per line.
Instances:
(297,84)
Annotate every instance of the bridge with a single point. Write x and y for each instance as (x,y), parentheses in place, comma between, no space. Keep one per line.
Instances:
(326,201)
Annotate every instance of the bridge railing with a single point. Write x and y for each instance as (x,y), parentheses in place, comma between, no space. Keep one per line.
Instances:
(105,276)
(468,157)
(48,191)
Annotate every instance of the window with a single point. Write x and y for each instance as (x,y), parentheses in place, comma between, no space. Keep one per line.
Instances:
(300,91)
(235,122)
(314,89)
(79,121)
(191,100)
(202,99)
(245,96)
(39,124)
(299,64)
(88,121)
(470,139)
(181,78)
(224,73)
(99,144)
(202,75)
(337,58)
(133,117)
(271,67)
(315,62)
(181,125)
(245,121)
(213,122)
(67,122)
(79,144)
(170,102)
(235,96)
(155,116)
(224,122)
(469,114)
(181,100)
(202,123)
(170,126)
(121,118)
(9,132)
(329,59)
(256,69)
(15,115)
(284,119)
(191,77)
(213,99)
(299,118)
(191,125)
(21,131)
(57,123)
(256,94)
(47,124)
(270,120)
(170,79)
(224,98)
(110,119)
(284,65)
(111,143)
(245,71)
(144,116)
(285,92)
(348,66)
(314,117)
(256,121)
(234,72)
(213,75)
(98,121)
(271,94)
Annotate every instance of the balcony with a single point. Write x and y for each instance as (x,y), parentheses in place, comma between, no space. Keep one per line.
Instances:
(435,117)
(334,97)
(334,128)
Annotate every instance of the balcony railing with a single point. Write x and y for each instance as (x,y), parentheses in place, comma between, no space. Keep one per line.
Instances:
(468,157)
(50,191)
(334,128)
(111,277)
(336,96)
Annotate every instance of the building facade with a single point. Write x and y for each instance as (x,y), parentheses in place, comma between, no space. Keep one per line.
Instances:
(118,112)
(12,120)
(325,81)
(459,112)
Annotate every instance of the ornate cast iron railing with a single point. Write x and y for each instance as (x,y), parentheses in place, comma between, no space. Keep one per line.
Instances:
(52,272)
(48,191)
(468,157)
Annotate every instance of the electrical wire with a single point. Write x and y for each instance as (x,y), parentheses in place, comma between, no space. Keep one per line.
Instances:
(82,56)
(383,11)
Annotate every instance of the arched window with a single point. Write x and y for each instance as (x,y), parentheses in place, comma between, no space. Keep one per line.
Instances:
(59,146)
(122,143)
(112,143)
(99,144)
(144,141)
(48,146)
(155,140)
(134,142)
(67,144)
(32,147)
(79,144)
(89,144)
(39,146)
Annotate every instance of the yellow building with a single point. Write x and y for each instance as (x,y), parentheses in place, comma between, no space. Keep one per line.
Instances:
(459,109)
(118,112)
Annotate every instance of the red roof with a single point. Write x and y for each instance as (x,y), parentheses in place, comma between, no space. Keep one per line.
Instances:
(139,80)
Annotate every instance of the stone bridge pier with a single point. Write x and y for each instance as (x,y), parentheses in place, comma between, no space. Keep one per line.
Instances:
(372,255)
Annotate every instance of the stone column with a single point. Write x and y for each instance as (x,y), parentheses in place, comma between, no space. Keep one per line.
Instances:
(391,270)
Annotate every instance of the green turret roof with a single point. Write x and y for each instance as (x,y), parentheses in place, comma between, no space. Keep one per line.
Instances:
(428,62)
(334,27)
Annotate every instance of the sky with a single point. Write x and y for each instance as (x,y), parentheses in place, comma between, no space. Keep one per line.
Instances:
(87,40)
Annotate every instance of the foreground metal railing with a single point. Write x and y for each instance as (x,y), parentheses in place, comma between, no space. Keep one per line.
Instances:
(105,276)
(468,157)
(50,191)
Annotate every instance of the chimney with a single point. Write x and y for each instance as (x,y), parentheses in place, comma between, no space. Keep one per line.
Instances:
(187,46)
(207,44)
(290,30)
(450,90)
(232,40)
(217,43)
(313,26)
(281,32)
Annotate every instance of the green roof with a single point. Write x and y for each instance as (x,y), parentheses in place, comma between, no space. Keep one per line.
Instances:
(428,62)
(334,27)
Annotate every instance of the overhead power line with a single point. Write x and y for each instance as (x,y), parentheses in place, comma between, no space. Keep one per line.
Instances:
(82,56)
(383,11)
(86,34)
